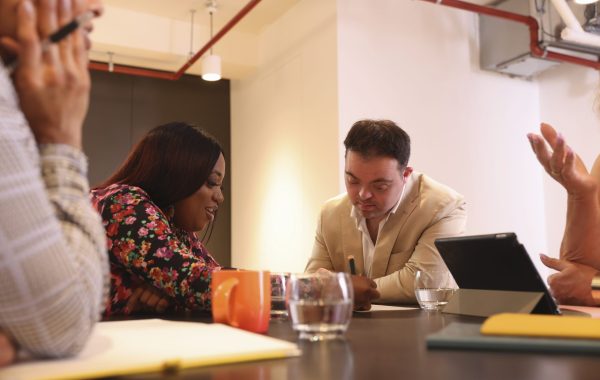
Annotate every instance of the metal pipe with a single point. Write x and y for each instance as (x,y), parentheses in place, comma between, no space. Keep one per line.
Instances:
(217,37)
(534,43)
(137,71)
(101,66)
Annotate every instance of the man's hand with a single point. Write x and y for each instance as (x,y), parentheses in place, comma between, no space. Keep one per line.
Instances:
(365,291)
(7,351)
(146,298)
(572,285)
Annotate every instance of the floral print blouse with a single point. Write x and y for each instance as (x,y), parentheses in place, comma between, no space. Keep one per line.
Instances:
(145,246)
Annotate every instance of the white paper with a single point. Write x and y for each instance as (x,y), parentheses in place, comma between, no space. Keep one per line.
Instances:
(387,308)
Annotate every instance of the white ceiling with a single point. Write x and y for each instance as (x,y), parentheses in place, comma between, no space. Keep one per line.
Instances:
(173,12)
(265,13)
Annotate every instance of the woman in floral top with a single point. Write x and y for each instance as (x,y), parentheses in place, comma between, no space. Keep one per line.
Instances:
(167,189)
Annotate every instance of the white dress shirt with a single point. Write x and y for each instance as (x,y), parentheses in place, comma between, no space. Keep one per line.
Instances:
(367,243)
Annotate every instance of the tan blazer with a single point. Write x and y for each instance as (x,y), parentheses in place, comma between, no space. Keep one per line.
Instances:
(429,210)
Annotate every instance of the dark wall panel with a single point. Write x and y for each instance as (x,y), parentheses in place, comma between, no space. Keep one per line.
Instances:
(123,108)
(107,129)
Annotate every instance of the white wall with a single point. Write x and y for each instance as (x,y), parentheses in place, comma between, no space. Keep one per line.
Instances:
(417,64)
(567,98)
(284,136)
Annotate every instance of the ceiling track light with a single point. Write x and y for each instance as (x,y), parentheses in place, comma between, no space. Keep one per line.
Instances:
(111,63)
(192,12)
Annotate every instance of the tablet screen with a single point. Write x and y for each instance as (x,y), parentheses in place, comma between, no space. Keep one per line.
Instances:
(494,262)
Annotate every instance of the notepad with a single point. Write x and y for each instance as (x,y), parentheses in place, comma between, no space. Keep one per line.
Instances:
(377,307)
(547,326)
(151,345)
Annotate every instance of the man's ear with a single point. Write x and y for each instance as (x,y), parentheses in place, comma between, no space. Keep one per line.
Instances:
(407,171)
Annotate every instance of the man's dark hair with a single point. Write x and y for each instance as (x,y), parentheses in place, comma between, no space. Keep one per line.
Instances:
(371,138)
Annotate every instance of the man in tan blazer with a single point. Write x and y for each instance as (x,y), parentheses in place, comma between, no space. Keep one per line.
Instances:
(388,219)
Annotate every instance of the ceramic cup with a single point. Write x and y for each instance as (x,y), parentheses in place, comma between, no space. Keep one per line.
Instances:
(242,299)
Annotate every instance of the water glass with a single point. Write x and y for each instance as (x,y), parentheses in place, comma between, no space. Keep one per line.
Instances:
(278,287)
(320,304)
(433,288)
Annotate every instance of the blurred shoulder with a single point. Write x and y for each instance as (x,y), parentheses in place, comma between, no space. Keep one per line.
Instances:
(338,203)
(435,196)
(438,191)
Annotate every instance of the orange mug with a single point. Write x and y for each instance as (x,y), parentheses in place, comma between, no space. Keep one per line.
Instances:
(242,298)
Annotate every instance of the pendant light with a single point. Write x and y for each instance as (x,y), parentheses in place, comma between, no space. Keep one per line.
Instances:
(211,64)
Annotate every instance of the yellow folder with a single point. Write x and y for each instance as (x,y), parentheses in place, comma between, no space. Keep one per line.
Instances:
(548,326)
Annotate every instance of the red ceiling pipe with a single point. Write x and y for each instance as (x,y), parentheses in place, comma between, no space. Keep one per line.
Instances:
(100,66)
(534,43)
(217,36)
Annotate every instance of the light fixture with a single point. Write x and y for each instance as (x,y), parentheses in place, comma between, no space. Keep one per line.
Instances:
(111,63)
(585,1)
(211,64)
(192,12)
(573,32)
(592,18)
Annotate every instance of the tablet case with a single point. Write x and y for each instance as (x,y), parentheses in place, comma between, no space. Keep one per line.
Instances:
(495,274)
(483,303)
(459,335)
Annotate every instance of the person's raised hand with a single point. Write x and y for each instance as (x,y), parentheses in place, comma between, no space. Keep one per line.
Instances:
(562,163)
(572,284)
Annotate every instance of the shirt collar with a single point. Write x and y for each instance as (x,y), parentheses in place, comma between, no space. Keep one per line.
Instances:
(358,218)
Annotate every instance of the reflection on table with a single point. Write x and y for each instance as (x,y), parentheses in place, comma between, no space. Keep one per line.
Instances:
(391,345)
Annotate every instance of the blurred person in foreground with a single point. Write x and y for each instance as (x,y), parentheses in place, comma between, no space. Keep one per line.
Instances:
(53,261)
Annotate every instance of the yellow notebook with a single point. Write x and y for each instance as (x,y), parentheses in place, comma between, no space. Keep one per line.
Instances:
(535,325)
(153,345)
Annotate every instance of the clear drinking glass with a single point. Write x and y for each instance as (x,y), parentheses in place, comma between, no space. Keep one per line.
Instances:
(278,286)
(320,304)
(433,288)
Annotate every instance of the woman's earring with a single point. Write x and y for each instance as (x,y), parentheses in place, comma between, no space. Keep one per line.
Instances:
(170,212)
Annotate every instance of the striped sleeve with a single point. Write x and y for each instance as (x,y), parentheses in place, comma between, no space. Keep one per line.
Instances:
(53,260)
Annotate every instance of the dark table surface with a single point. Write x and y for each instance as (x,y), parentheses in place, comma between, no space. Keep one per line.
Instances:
(391,345)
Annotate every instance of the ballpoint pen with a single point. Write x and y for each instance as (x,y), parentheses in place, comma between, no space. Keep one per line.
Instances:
(352,265)
(59,35)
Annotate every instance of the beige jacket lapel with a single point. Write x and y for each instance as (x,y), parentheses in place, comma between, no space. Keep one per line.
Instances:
(389,234)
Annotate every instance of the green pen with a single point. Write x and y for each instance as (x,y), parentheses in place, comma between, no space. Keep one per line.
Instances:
(352,265)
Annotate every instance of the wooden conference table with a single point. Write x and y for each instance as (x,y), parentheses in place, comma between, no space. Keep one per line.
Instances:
(391,345)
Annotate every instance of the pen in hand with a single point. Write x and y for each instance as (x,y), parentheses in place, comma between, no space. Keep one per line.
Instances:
(352,265)
(59,35)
